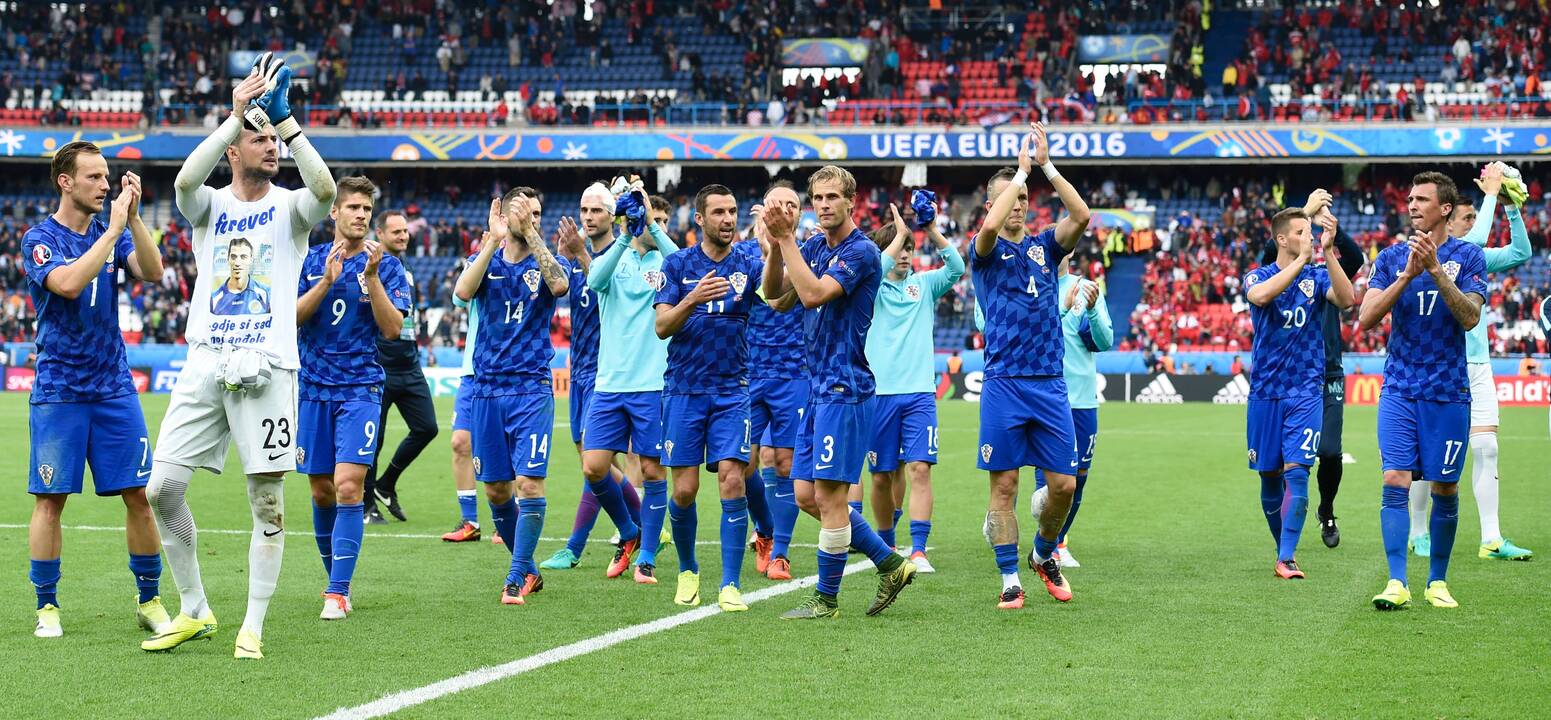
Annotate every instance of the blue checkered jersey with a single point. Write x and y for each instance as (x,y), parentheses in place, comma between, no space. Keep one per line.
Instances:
(80,351)
(584,325)
(1289,348)
(1426,358)
(775,351)
(338,343)
(1017,286)
(709,355)
(515,307)
(835,334)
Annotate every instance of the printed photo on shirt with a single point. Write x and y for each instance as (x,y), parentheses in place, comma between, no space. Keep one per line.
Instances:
(244,272)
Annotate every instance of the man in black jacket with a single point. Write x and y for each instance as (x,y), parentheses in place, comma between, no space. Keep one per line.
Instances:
(405,386)
(1330,454)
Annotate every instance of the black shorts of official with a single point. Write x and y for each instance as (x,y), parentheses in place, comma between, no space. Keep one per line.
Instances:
(1335,403)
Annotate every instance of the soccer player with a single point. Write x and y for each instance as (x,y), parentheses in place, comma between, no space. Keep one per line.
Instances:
(625,412)
(1468,226)
(405,386)
(239,383)
(1285,412)
(836,274)
(1087,329)
(1432,288)
(778,395)
(597,230)
(1025,417)
(351,293)
(513,403)
(899,349)
(240,294)
(704,305)
(84,407)
(467,529)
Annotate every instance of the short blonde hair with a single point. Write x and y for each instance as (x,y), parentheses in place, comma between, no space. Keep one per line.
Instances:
(834,172)
(354,185)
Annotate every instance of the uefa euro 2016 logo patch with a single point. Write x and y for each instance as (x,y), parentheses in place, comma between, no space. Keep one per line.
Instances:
(655,279)
(1307,286)
(1451,268)
(985,453)
(46,471)
(531,279)
(41,254)
(1037,254)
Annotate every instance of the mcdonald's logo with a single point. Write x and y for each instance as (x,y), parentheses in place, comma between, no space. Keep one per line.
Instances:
(1363,389)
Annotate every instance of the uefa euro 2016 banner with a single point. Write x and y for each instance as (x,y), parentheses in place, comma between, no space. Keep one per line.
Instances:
(1123,49)
(819,144)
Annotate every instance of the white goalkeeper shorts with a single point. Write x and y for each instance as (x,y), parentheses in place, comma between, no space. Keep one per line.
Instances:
(204,419)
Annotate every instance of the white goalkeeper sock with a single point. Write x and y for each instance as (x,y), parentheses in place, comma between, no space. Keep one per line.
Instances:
(1483,482)
(1420,491)
(167,493)
(266,498)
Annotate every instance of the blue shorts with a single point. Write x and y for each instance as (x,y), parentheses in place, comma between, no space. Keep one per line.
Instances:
(832,441)
(581,397)
(330,432)
(463,406)
(1085,426)
(773,410)
(1026,421)
(1423,436)
(625,422)
(1283,432)
(108,435)
(511,436)
(904,429)
(705,429)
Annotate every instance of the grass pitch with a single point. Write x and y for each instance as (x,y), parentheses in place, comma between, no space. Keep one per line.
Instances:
(1176,614)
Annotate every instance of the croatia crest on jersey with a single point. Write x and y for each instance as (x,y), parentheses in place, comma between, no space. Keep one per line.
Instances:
(913,292)
(985,453)
(46,471)
(360,279)
(1451,268)
(301,455)
(1252,455)
(872,457)
(655,279)
(1037,254)
(739,281)
(668,448)
(1307,286)
(531,279)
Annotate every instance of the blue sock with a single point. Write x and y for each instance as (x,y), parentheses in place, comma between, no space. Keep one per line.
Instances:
(735,528)
(504,517)
(1006,558)
(147,570)
(1082,480)
(856,506)
(898,513)
(919,531)
(349,526)
(1294,509)
(1271,491)
(653,508)
(1444,521)
(612,499)
(868,543)
(1039,478)
(759,503)
(530,524)
(468,506)
(783,510)
(44,575)
(323,533)
(685,523)
(831,567)
(1042,547)
(1395,525)
(887,535)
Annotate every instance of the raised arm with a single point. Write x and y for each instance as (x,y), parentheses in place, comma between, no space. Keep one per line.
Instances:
(941,280)
(146,260)
(1268,289)
(1384,290)
(474,274)
(1099,321)
(70,280)
(897,246)
(1002,205)
(307,303)
(388,316)
(192,196)
(813,290)
(1071,227)
(1341,293)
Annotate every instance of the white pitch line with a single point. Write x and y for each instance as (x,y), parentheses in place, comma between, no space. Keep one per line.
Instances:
(403,699)
(369,534)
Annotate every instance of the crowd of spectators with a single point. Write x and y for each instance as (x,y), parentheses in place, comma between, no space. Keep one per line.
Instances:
(183,48)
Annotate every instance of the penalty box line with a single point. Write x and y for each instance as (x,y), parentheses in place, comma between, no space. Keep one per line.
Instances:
(395,702)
